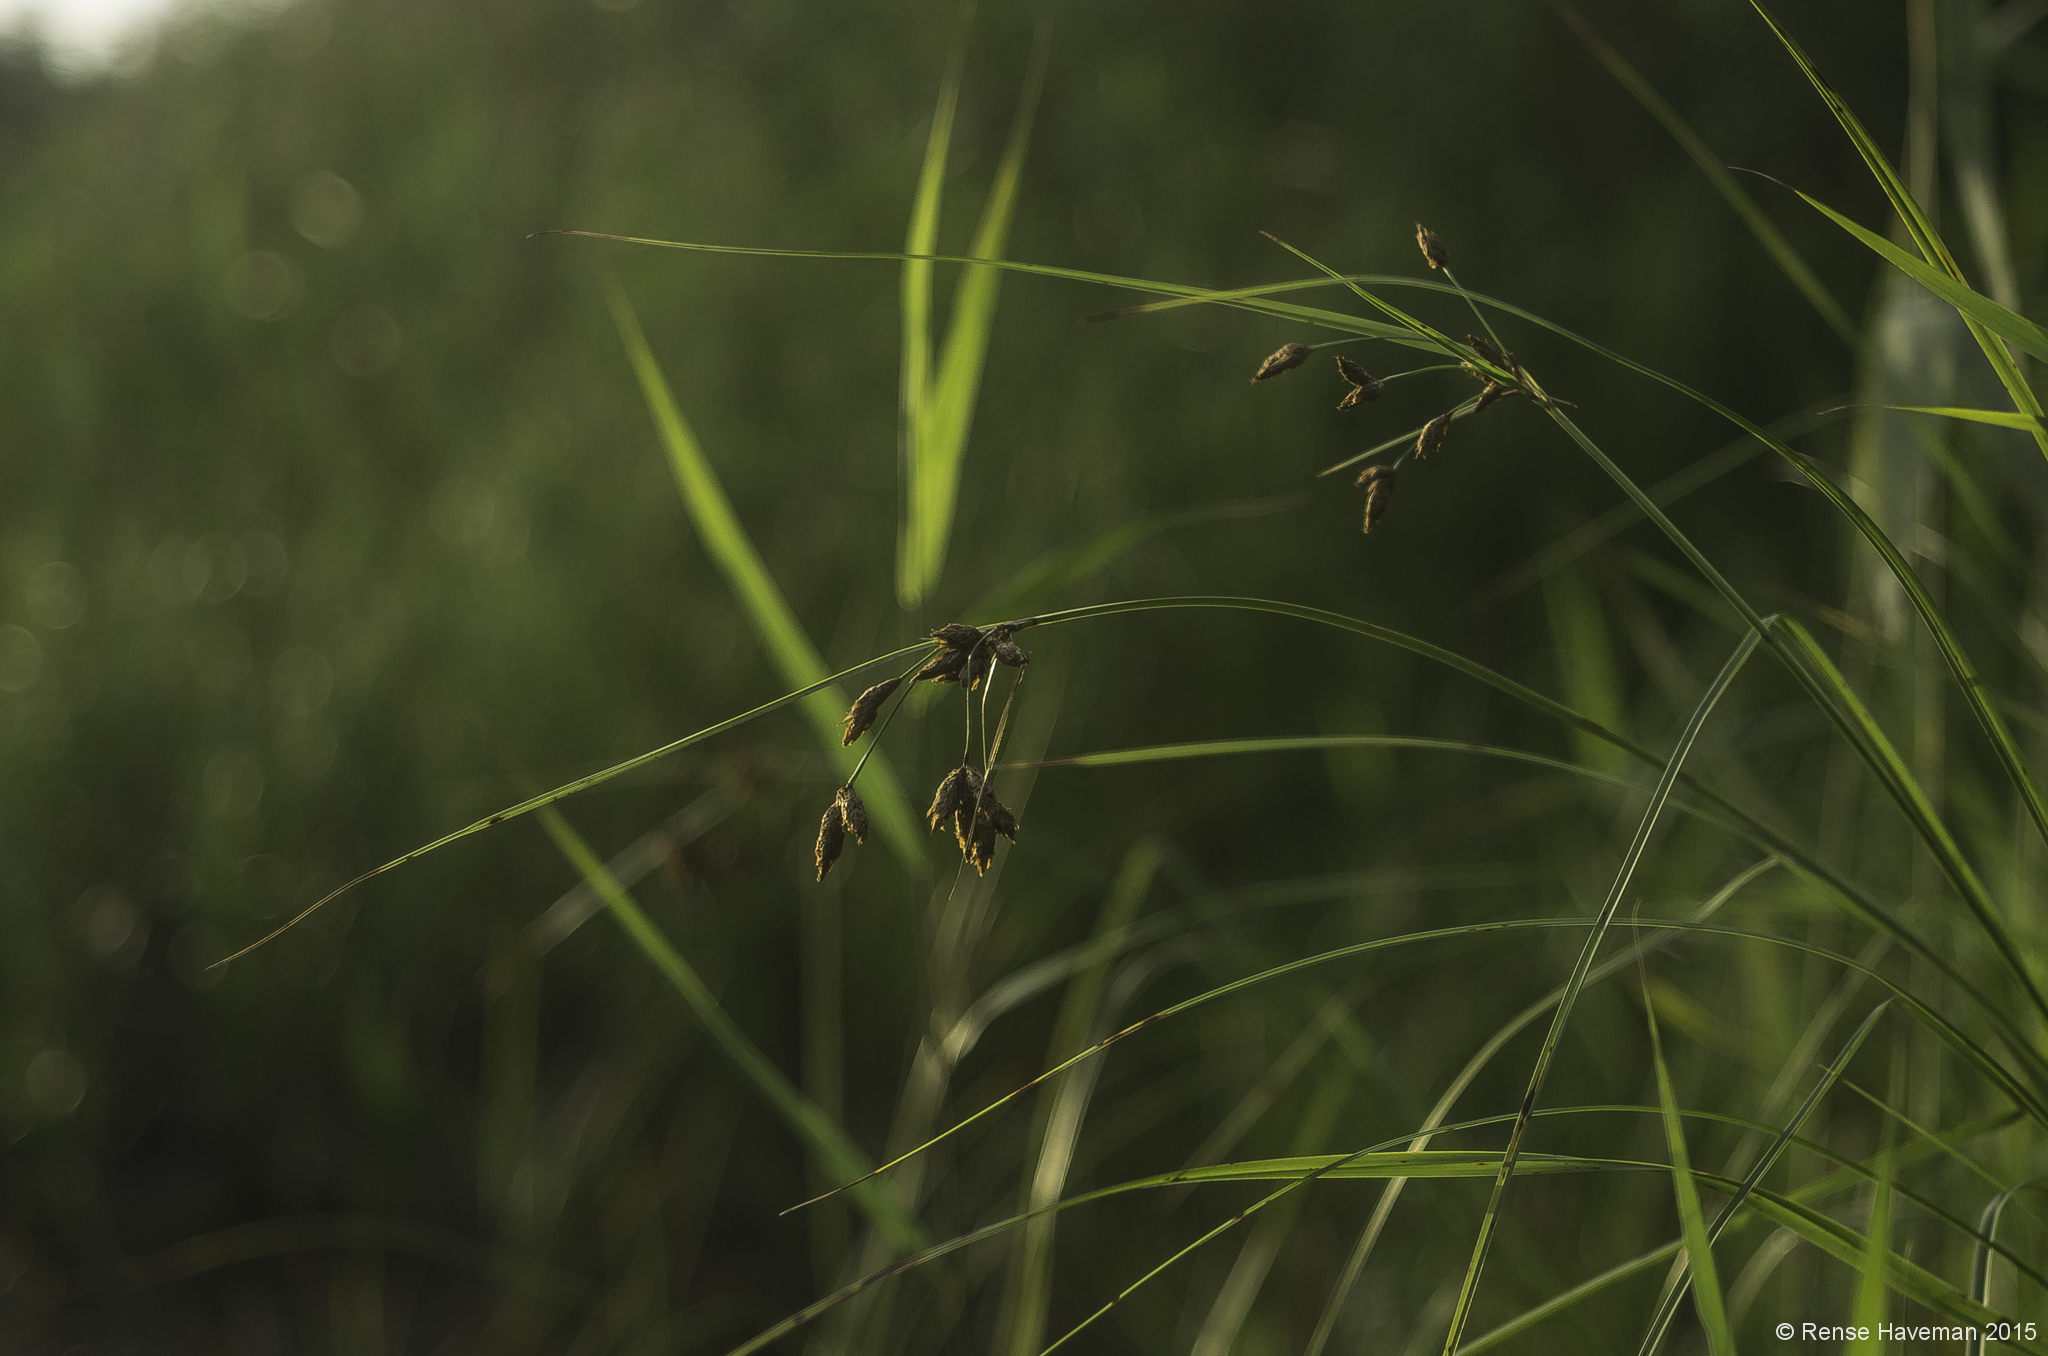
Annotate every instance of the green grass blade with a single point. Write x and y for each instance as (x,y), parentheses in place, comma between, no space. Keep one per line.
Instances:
(1925,238)
(1699,1249)
(730,549)
(837,1153)
(1999,418)
(1972,304)
(947,415)
(1668,1309)
(1489,1223)
(914,378)
(1980,1262)
(1761,226)
(1873,1281)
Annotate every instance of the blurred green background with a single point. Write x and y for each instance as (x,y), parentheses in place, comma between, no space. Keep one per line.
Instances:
(331,519)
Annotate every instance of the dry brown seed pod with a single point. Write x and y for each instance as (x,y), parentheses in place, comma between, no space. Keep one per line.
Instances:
(865,708)
(959,788)
(1487,350)
(1365,387)
(1379,489)
(1432,436)
(1432,248)
(1011,653)
(852,813)
(1283,359)
(944,667)
(998,815)
(957,636)
(979,847)
(831,838)
(1494,391)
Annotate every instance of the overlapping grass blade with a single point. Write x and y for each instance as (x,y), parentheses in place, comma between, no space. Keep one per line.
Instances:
(946,407)
(1873,1279)
(1667,1309)
(1490,1222)
(1702,155)
(1925,238)
(1980,1262)
(1997,418)
(914,375)
(1699,1248)
(730,549)
(836,1153)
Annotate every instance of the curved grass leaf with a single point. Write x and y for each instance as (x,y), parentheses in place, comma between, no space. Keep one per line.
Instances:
(1699,1248)
(732,551)
(914,374)
(1761,226)
(835,1151)
(1980,1262)
(1489,1223)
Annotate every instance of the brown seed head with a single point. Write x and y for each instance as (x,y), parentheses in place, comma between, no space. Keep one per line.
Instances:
(999,816)
(1379,489)
(957,636)
(1283,359)
(852,813)
(944,667)
(979,845)
(865,708)
(956,791)
(1494,391)
(1011,653)
(1365,387)
(1432,436)
(1432,248)
(979,661)
(831,838)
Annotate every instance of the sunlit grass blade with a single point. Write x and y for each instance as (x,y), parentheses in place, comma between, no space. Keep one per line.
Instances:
(1761,226)
(914,376)
(1925,238)
(1873,1282)
(1998,418)
(1972,304)
(946,415)
(1668,1308)
(837,1153)
(1434,1123)
(1699,1248)
(732,551)
(1980,1262)
(1581,969)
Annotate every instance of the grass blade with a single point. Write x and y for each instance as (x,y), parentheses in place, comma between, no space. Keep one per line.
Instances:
(1980,1263)
(730,549)
(1766,232)
(1699,1248)
(1489,1223)
(1973,305)
(946,409)
(1872,1282)
(835,1151)
(920,240)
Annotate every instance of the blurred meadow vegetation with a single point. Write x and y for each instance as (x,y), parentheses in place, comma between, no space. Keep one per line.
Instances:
(333,519)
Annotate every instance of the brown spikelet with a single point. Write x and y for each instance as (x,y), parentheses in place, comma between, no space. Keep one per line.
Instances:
(1432,248)
(957,636)
(1378,482)
(1283,359)
(1365,387)
(999,816)
(1494,391)
(1487,350)
(1432,436)
(831,838)
(979,845)
(944,667)
(865,708)
(1011,653)
(979,661)
(852,813)
(957,790)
